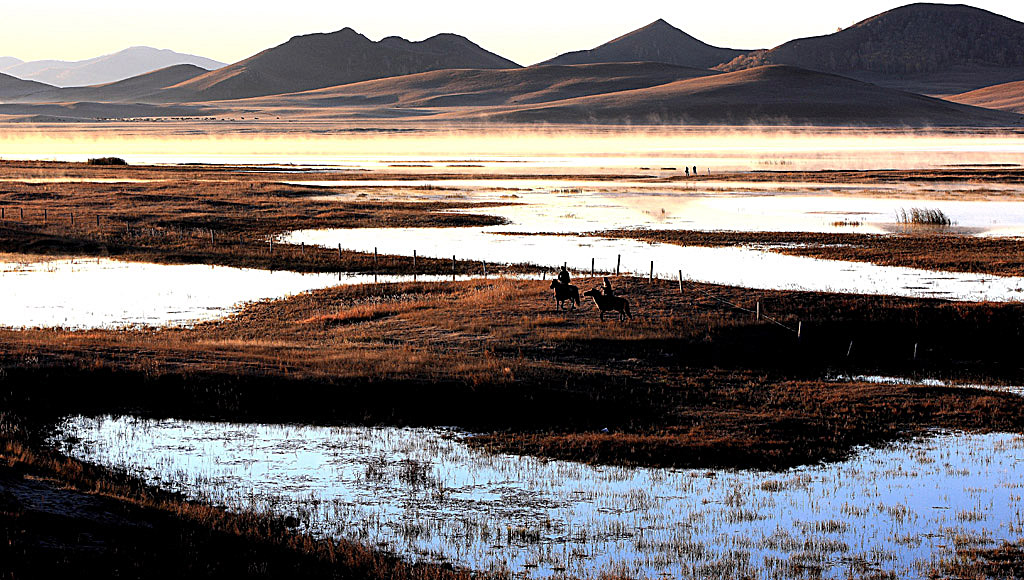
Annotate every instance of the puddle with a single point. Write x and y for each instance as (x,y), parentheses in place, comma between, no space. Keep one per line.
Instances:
(424,494)
(743,267)
(883,380)
(100,293)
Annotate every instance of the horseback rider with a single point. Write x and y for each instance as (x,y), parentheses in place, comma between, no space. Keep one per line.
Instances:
(563,276)
(608,287)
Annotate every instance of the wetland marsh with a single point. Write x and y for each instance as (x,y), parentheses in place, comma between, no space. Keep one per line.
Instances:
(259,336)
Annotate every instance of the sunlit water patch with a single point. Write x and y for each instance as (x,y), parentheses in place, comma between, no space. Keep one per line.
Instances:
(426,495)
(101,293)
(572,206)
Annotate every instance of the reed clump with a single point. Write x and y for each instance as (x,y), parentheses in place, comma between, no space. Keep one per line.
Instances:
(919,216)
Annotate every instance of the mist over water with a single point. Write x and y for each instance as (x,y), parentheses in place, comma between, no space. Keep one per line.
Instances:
(371,146)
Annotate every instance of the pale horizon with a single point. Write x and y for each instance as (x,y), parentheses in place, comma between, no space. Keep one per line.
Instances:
(72,31)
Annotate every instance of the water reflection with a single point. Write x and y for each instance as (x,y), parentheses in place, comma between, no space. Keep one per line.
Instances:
(102,293)
(425,494)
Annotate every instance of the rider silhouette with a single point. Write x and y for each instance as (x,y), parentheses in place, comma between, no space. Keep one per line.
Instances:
(563,276)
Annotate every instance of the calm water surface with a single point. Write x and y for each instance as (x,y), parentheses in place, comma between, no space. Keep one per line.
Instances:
(426,495)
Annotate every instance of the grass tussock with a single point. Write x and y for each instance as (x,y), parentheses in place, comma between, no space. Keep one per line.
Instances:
(918,216)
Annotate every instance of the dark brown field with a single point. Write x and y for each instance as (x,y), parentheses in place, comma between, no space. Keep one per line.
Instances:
(695,380)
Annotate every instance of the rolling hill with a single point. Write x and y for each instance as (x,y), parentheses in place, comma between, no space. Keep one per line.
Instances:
(86,111)
(140,88)
(934,49)
(1005,97)
(778,95)
(13,87)
(108,68)
(487,87)
(656,42)
(322,60)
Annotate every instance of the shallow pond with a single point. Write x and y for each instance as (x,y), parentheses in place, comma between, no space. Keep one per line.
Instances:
(573,206)
(101,293)
(426,495)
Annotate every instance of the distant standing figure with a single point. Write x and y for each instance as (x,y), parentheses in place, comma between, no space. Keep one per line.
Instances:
(694,170)
(687,171)
(563,276)
(608,287)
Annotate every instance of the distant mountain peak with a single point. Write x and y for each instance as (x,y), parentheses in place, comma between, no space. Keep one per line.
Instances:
(658,41)
(321,60)
(927,48)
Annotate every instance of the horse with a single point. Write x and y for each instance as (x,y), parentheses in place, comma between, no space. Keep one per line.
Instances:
(565,292)
(613,303)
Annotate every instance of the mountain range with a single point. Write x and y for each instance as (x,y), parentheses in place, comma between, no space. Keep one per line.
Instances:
(872,73)
(108,68)
(322,60)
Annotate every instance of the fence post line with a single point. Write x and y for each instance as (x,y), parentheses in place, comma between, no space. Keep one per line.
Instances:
(651,277)
(44,216)
(591,267)
(339,251)
(618,262)
(72,219)
(453,268)
(97,220)
(680,281)
(414,262)
(22,213)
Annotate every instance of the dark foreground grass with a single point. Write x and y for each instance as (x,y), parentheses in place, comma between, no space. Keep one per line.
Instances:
(61,518)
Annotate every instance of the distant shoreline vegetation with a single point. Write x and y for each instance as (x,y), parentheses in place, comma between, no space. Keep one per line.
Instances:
(107,161)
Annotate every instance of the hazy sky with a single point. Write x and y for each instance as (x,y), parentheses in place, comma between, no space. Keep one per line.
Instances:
(526,31)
